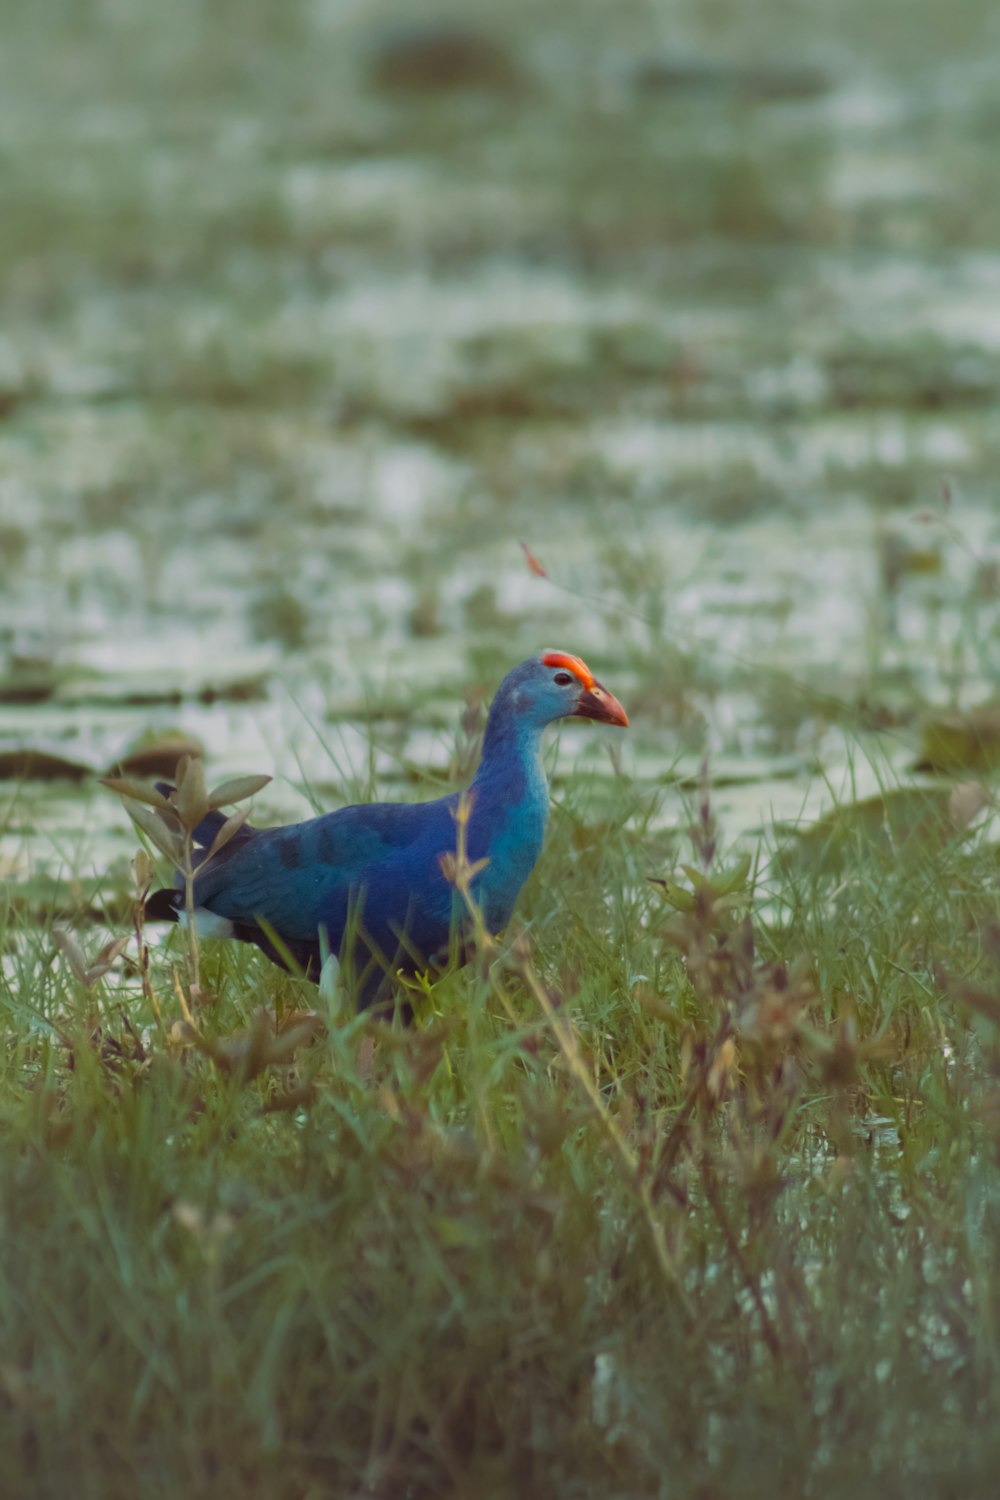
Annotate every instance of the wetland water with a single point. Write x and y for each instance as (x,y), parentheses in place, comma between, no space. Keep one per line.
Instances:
(309,321)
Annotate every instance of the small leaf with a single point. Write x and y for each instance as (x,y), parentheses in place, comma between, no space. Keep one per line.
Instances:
(730,881)
(137,790)
(72,952)
(679,898)
(142,874)
(156,831)
(112,951)
(236,790)
(191,797)
(536,568)
(229,829)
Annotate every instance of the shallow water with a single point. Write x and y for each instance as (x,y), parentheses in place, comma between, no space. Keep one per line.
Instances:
(294,357)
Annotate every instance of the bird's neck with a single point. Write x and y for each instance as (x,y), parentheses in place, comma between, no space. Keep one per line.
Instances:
(510,775)
(510,803)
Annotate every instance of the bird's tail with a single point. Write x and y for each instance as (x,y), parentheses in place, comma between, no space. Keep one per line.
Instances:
(167,905)
(204,834)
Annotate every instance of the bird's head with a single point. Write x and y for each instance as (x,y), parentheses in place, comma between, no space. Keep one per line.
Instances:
(557,685)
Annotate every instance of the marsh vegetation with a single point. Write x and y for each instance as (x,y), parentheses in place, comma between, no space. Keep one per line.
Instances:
(691,1184)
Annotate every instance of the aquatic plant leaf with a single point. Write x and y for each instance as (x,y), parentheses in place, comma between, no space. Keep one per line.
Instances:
(901,816)
(157,755)
(962,741)
(26,764)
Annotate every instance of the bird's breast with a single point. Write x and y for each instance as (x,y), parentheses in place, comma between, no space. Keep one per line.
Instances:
(507,829)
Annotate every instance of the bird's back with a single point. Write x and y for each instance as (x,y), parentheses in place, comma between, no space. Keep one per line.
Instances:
(307,875)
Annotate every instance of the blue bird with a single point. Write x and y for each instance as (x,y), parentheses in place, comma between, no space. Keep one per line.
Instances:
(368,883)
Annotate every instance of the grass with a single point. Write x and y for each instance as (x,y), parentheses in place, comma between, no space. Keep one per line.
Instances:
(689,1192)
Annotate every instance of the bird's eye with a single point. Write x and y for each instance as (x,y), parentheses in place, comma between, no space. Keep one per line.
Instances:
(563,678)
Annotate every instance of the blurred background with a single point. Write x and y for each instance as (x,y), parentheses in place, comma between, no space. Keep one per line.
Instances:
(314,311)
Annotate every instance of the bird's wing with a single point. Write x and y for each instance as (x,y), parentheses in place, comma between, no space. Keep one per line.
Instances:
(308,873)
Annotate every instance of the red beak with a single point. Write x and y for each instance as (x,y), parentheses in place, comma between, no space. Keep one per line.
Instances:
(598,704)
